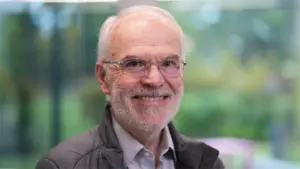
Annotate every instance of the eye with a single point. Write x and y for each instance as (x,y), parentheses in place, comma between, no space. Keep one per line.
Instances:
(132,63)
(170,63)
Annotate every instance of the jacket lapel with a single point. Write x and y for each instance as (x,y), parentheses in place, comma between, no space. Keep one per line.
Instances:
(192,154)
(111,151)
(114,159)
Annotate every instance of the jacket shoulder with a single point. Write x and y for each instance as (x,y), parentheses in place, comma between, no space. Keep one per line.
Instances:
(219,164)
(70,151)
(211,155)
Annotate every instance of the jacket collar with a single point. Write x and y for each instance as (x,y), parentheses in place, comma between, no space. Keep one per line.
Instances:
(190,154)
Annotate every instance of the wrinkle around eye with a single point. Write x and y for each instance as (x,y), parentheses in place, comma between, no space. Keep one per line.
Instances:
(115,67)
(117,73)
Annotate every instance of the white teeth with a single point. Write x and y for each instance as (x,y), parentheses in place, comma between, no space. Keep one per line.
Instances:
(151,98)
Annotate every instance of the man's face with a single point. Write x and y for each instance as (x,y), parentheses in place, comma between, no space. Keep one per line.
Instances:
(144,103)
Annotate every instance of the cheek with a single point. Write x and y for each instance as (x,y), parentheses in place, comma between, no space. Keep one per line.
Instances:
(176,83)
(125,83)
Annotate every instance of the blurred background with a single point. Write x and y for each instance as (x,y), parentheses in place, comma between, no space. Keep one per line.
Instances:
(242,80)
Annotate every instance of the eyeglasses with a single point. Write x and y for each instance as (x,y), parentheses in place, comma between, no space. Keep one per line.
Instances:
(169,67)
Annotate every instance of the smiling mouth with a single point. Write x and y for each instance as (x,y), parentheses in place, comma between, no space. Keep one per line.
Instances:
(151,98)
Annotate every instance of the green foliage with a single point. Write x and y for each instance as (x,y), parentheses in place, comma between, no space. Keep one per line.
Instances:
(5,86)
(209,113)
(93,101)
(231,98)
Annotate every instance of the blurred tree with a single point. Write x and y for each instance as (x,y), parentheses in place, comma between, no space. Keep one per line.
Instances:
(294,116)
(92,98)
(21,35)
(89,37)
(4,85)
(56,77)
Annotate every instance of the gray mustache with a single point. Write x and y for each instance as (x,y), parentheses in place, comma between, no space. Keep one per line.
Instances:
(152,93)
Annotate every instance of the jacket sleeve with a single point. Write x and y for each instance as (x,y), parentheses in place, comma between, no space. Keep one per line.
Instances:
(46,164)
(219,164)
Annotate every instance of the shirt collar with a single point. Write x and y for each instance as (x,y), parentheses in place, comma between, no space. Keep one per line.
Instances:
(131,147)
(167,142)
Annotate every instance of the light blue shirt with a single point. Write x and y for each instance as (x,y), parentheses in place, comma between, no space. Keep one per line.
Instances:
(136,156)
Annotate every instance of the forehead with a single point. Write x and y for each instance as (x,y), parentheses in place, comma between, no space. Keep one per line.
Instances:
(145,36)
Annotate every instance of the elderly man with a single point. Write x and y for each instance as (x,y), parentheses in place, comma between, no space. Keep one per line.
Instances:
(140,67)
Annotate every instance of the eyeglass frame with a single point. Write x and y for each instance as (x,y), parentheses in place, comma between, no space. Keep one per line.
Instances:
(147,66)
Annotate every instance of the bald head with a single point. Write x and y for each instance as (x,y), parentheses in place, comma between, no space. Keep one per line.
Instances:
(136,22)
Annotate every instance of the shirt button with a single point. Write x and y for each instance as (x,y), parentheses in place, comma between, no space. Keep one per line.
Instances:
(147,154)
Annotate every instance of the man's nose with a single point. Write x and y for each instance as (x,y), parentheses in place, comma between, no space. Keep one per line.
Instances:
(153,77)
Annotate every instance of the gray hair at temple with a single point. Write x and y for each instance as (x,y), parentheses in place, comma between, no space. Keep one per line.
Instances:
(108,25)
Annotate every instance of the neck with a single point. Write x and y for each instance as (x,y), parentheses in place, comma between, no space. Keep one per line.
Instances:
(150,141)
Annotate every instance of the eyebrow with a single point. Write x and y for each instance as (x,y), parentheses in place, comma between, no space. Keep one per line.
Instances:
(130,57)
(173,56)
(169,56)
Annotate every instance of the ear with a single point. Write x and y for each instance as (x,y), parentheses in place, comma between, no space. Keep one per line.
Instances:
(100,74)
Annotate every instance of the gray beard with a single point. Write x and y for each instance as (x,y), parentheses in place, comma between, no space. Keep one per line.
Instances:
(126,114)
(123,114)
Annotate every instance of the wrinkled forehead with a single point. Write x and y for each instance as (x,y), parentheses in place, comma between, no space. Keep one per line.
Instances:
(145,36)
(149,58)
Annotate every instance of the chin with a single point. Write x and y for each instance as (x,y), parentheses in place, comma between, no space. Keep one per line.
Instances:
(156,121)
(150,129)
